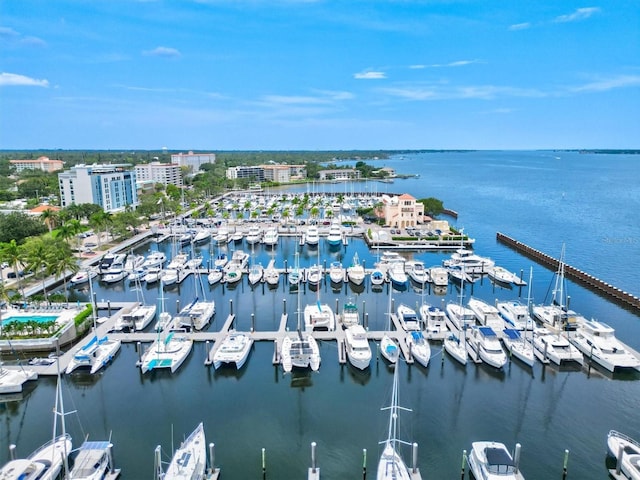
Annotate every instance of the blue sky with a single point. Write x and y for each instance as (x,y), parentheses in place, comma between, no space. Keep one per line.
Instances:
(319,75)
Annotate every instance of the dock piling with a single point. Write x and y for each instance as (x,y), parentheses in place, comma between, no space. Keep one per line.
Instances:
(212,457)
(364,309)
(139,349)
(12,451)
(313,456)
(284,306)
(178,305)
(516,457)
(364,464)
(464,462)
(414,457)
(253,322)
(564,466)
(264,463)
(231,306)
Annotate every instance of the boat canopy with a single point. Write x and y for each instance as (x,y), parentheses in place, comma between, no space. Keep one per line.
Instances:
(487,331)
(499,461)
(512,334)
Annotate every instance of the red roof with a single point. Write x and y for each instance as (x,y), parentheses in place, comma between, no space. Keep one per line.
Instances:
(406,196)
(42,208)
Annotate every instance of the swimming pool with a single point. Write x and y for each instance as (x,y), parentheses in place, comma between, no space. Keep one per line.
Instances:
(30,318)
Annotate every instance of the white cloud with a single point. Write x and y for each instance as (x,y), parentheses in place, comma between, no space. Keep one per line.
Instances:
(457,63)
(10,36)
(579,14)
(445,92)
(166,52)
(520,26)
(15,80)
(621,81)
(417,67)
(369,75)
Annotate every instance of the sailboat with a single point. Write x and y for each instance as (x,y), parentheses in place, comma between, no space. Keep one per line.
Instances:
(301,351)
(140,316)
(460,319)
(319,316)
(391,466)
(198,313)
(515,341)
(164,318)
(388,346)
(46,462)
(189,460)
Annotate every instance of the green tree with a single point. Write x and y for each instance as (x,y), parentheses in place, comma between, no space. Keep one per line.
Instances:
(432,206)
(50,218)
(60,261)
(14,255)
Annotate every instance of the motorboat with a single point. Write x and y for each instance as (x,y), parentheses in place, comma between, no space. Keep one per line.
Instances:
(483,344)
(334,238)
(136,275)
(319,316)
(133,262)
(95,354)
(378,277)
(314,274)
(357,346)
(254,235)
(434,319)
(222,236)
(153,275)
(271,237)
(439,276)
(349,315)
(312,236)
(113,276)
(295,275)
(215,275)
(418,347)
(492,461)
(256,272)
(389,348)
(188,462)
(271,276)
(551,346)
(94,461)
(236,236)
(194,262)
(155,259)
(486,314)
(83,276)
(137,319)
(460,316)
(626,451)
(356,272)
(408,318)
(167,351)
(45,463)
(515,314)
(456,346)
(502,275)
(202,235)
(469,261)
(12,380)
(178,262)
(598,343)
(518,346)
(232,276)
(170,276)
(239,260)
(416,271)
(336,272)
(391,466)
(459,275)
(233,349)
(185,238)
(221,260)
(397,275)
(196,315)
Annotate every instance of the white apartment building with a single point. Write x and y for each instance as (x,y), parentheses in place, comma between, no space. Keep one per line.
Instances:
(193,160)
(111,186)
(156,172)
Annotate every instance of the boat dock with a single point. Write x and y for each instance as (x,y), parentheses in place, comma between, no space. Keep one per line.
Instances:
(596,285)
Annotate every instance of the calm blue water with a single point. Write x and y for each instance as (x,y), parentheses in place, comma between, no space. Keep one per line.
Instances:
(545,199)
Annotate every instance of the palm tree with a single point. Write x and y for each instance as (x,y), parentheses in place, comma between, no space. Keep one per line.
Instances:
(50,218)
(61,261)
(14,255)
(101,221)
(36,254)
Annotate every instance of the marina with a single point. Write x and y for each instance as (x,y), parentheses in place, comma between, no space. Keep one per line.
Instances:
(260,407)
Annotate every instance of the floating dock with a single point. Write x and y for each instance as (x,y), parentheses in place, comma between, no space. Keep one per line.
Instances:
(600,287)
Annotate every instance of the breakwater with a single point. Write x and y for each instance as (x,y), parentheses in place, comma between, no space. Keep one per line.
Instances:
(601,287)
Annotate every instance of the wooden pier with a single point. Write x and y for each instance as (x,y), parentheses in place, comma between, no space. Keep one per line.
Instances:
(600,287)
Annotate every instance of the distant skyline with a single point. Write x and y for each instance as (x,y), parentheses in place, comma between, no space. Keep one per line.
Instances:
(319,75)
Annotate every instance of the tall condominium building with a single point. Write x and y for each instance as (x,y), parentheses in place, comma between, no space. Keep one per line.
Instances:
(156,172)
(111,186)
(42,163)
(193,160)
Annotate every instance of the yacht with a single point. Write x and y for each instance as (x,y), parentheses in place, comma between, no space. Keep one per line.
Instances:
(202,235)
(319,316)
(336,272)
(194,262)
(232,276)
(517,346)
(469,261)
(455,345)
(314,274)
(133,262)
(153,275)
(221,260)
(483,344)
(94,462)
(222,236)
(43,464)
(234,349)
(550,346)
(215,275)
(419,347)
(626,451)
(178,262)
(270,238)
(357,346)
(83,276)
(136,275)
(312,237)
(391,466)
(256,272)
(356,272)
(295,275)
(492,461)
(170,276)
(378,277)
(300,351)
(349,315)
(239,260)
(504,276)
(271,276)
(95,354)
(335,234)
(196,315)
(439,276)
(155,259)
(460,316)
(486,314)
(137,319)
(12,380)
(557,318)
(416,271)
(254,235)
(408,318)
(113,275)
(434,319)
(167,351)
(188,462)
(515,314)
(598,343)
(397,275)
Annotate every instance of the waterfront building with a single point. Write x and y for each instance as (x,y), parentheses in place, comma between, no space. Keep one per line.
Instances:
(402,211)
(42,163)
(339,174)
(255,173)
(156,172)
(193,160)
(112,186)
(271,173)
